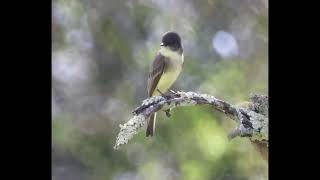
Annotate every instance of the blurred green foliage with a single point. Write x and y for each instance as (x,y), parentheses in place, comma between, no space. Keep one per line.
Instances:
(114,43)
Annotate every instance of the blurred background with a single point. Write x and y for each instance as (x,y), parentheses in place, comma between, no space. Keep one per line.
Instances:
(101,54)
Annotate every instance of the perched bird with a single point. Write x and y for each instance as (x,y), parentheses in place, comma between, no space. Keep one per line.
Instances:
(165,69)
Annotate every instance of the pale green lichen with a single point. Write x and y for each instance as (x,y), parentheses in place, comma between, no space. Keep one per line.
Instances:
(260,125)
(129,129)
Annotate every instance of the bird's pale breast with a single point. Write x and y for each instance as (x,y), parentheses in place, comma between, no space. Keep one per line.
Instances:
(174,63)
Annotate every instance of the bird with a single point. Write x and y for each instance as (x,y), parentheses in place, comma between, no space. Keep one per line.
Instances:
(165,69)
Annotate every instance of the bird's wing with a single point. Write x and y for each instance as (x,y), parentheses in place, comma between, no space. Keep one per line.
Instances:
(157,69)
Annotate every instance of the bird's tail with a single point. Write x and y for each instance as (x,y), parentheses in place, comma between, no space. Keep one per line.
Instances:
(151,125)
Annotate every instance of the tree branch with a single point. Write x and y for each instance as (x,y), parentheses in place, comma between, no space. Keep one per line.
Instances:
(253,120)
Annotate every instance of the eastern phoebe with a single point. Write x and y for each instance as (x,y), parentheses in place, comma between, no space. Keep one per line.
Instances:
(165,69)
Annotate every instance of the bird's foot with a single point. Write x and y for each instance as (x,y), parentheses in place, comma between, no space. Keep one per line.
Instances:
(173,92)
(166,96)
(162,94)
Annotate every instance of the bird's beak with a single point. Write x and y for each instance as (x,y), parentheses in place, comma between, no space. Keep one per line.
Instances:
(161,44)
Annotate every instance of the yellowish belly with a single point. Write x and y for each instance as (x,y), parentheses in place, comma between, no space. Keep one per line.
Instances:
(166,81)
(171,74)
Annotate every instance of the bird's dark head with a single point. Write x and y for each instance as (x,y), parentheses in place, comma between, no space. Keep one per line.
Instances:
(172,40)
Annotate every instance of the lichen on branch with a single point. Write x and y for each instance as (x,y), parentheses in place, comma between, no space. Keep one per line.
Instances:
(253,121)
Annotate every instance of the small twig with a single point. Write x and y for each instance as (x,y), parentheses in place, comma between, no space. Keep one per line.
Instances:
(168,114)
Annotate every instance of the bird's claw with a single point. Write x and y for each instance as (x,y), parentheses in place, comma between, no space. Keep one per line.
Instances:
(162,94)
(172,91)
(166,96)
